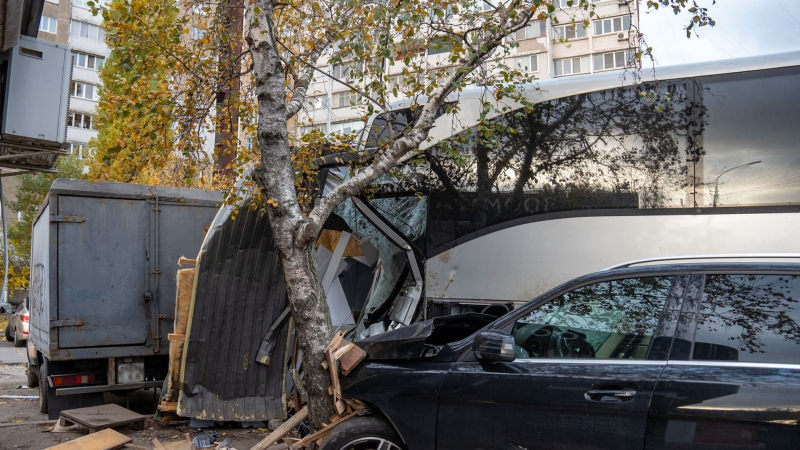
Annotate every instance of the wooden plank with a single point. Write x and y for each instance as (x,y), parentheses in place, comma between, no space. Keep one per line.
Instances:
(102,440)
(157,444)
(321,433)
(184,261)
(334,371)
(343,349)
(282,430)
(104,416)
(135,447)
(336,341)
(175,337)
(168,406)
(351,359)
(341,406)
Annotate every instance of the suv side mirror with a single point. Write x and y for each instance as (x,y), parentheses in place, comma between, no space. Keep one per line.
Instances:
(493,345)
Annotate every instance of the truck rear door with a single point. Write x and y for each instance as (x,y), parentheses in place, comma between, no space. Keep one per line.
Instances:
(97,307)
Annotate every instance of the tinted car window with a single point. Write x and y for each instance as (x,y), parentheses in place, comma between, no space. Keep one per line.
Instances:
(750,318)
(612,319)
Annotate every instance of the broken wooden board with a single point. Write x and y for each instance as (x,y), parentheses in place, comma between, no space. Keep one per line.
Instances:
(351,359)
(102,440)
(282,430)
(321,433)
(168,406)
(106,416)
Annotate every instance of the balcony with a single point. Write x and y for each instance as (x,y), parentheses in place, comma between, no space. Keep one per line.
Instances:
(88,46)
(80,135)
(87,75)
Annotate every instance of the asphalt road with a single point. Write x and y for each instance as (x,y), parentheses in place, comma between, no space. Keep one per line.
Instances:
(10,354)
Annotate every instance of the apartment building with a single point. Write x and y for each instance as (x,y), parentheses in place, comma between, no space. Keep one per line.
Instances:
(70,22)
(546,49)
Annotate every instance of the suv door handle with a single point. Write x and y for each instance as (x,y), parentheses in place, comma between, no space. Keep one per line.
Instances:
(609,395)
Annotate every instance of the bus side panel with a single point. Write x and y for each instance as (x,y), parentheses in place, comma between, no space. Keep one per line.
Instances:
(43,241)
(520,262)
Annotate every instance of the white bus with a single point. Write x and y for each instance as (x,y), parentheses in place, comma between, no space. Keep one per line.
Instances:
(602,170)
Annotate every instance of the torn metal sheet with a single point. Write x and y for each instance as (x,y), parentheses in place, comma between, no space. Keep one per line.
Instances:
(239,295)
(423,339)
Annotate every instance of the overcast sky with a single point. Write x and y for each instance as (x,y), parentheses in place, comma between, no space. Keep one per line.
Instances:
(742,29)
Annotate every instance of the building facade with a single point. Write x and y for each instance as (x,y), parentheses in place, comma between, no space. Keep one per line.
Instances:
(546,49)
(70,22)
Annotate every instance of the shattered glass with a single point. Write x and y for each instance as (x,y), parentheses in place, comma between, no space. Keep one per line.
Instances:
(408,215)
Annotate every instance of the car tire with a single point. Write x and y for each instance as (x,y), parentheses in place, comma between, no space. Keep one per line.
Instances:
(43,387)
(363,433)
(9,338)
(17,341)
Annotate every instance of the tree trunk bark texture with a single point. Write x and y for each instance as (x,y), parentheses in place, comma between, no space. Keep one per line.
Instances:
(276,178)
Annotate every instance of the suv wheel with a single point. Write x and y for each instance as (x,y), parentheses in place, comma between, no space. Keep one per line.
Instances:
(363,433)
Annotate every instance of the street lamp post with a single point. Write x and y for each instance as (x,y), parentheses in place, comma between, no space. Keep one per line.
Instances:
(716,182)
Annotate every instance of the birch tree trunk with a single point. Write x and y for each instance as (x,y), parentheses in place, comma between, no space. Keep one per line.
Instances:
(275,177)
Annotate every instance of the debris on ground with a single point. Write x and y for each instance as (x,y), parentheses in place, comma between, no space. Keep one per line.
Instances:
(340,355)
(96,418)
(107,439)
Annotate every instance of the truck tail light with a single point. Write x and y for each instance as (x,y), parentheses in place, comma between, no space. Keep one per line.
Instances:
(72,380)
(24,318)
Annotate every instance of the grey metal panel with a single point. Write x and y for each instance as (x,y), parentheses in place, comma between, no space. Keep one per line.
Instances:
(37,88)
(102,189)
(181,231)
(239,294)
(40,283)
(98,246)
(102,272)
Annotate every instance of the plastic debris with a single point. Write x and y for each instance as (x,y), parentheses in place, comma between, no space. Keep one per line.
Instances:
(201,441)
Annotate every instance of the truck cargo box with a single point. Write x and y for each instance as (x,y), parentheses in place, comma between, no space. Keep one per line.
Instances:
(104,258)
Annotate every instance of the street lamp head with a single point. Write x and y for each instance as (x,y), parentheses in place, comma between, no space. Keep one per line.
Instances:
(754,162)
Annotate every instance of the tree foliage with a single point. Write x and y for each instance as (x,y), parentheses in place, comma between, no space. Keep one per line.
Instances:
(141,138)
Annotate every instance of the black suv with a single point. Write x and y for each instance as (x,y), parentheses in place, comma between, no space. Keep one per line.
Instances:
(657,357)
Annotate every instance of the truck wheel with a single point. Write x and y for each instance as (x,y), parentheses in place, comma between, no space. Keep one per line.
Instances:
(44,389)
(9,338)
(17,341)
(363,433)
(33,380)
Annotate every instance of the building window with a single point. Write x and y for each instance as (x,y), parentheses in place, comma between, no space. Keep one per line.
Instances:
(87,30)
(77,149)
(527,63)
(347,127)
(48,24)
(439,45)
(571,66)
(569,31)
(532,30)
(345,70)
(571,3)
(608,61)
(82,90)
(87,61)
(317,103)
(84,3)
(613,25)
(196,33)
(345,99)
(79,120)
